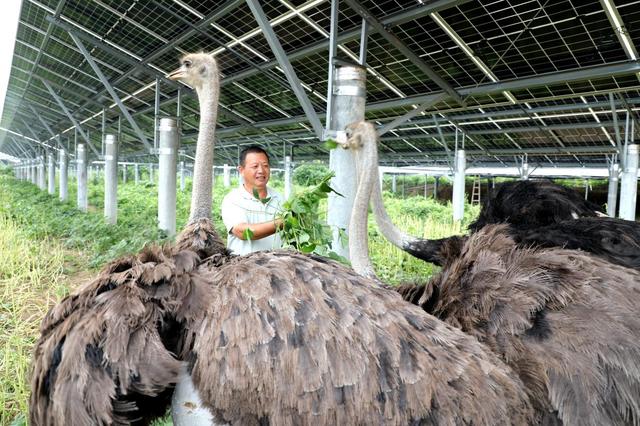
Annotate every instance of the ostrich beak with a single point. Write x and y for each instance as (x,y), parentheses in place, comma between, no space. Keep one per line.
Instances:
(177,74)
(342,139)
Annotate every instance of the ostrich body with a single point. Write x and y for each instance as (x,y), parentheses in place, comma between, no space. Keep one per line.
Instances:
(271,337)
(539,214)
(565,321)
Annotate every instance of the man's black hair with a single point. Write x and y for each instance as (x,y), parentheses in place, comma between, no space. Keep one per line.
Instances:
(252,149)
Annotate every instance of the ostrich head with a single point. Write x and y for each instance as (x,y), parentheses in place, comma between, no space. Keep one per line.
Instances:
(200,71)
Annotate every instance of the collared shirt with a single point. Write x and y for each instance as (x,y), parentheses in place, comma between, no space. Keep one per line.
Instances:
(239,206)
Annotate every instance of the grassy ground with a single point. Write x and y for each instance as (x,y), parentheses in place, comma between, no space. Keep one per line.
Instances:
(47,248)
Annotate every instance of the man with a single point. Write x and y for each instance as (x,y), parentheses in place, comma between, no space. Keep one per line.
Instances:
(241,210)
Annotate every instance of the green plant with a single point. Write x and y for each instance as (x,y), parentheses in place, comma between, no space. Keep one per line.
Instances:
(303,228)
(310,173)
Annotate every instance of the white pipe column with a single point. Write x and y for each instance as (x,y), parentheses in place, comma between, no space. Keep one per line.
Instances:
(287,176)
(394,183)
(612,197)
(629,185)
(182,176)
(226,179)
(34,171)
(347,106)
(63,172)
(458,186)
(124,173)
(168,135)
(42,184)
(111,179)
(136,173)
(151,173)
(51,174)
(81,173)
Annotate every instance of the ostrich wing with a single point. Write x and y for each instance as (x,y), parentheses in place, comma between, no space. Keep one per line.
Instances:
(105,354)
(291,339)
(566,321)
(533,203)
(614,240)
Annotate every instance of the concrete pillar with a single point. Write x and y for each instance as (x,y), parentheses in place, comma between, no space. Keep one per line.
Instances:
(394,183)
(436,184)
(629,184)
(182,176)
(34,171)
(288,183)
(458,186)
(63,172)
(81,173)
(168,135)
(51,174)
(136,173)
(124,173)
(226,179)
(524,173)
(612,197)
(151,173)
(42,184)
(349,96)
(111,179)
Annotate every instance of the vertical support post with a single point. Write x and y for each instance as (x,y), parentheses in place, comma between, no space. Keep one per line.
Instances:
(51,174)
(111,179)
(63,165)
(612,196)
(226,175)
(394,183)
(629,184)
(124,173)
(151,173)
(81,172)
(182,175)
(287,176)
(156,114)
(381,178)
(458,186)
(347,106)
(168,139)
(436,184)
(333,45)
(425,185)
(41,177)
(136,173)
(34,171)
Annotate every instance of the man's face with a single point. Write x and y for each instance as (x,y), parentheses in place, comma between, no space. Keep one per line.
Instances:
(256,170)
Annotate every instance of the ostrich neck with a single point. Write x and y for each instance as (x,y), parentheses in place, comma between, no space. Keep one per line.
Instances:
(387,228)
(358,229)
(201,196)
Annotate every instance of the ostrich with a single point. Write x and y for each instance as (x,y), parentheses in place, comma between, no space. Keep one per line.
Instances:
(270,337)
(548,219)
(565,321)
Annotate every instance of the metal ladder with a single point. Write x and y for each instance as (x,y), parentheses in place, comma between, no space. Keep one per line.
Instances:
(475,192)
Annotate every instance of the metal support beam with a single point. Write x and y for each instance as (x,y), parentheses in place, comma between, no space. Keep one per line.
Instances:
(111,179)
(629,184)
(75,122)
(168,135)
(51,174)
(111,91)
(409,115)
(459,186)
(81,178)
(333,45)
(612,196)
(404,49)
(289,72)
(63,172)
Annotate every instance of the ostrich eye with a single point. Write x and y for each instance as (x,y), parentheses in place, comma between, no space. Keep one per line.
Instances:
(187,63)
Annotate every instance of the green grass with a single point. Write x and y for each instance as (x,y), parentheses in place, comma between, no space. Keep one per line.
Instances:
(48,247)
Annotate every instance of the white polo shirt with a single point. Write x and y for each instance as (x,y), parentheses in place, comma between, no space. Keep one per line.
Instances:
(239,206)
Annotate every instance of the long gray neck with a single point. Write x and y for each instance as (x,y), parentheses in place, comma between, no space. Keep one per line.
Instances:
(201,195)
(394,235)
(358,235)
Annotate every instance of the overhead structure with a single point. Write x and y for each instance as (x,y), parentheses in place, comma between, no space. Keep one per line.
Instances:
(554,80)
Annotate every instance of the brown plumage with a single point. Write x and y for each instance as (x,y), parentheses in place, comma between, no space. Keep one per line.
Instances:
(269,338)
(272,336)
(565,321)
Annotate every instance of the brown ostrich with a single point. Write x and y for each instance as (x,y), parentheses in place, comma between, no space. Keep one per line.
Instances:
(268,338)
(564,320)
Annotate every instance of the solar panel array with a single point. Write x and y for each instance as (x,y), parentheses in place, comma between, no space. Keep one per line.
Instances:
(536,77)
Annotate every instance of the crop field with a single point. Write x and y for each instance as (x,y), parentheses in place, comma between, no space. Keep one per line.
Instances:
(48,248)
